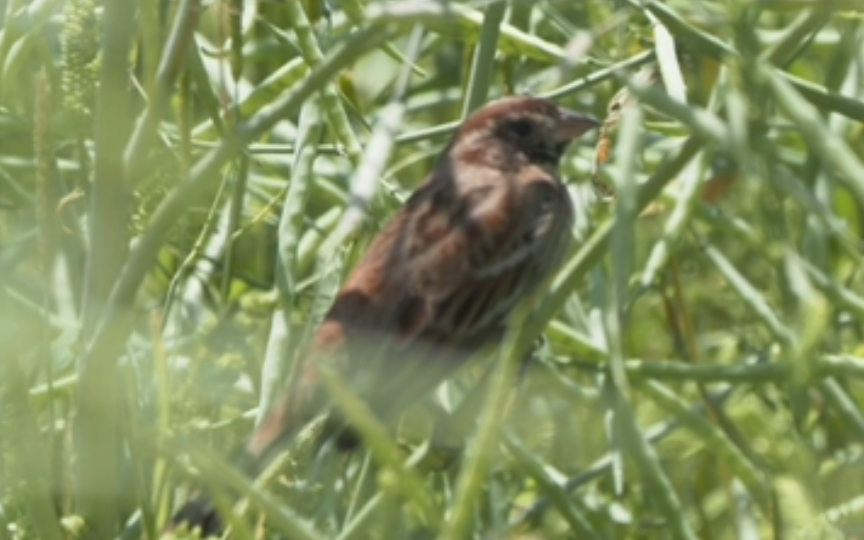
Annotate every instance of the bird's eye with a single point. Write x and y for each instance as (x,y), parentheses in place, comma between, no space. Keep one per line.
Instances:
(521,128)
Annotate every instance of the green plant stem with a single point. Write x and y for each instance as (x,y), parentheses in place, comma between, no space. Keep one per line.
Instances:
(170,67)
(483,445)
(203,178)
(383,448)
(98,433)
(483,64)
(280,346)
(569,509)
(639,449)
(331,103)
(719,50)
(714,439)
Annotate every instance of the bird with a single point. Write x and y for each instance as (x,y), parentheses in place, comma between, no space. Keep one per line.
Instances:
(482,234)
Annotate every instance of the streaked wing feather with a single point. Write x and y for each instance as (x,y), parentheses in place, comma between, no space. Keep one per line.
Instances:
(473,262)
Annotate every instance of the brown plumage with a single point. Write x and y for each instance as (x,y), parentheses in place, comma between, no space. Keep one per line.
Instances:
(485,229)
(482,233)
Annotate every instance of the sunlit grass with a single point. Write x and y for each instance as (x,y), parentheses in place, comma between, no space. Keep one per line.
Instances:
(178,205)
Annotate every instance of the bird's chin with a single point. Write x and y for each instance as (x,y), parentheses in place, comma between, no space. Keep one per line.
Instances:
(560,148)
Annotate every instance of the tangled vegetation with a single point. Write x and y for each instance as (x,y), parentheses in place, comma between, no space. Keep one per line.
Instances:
(184,183)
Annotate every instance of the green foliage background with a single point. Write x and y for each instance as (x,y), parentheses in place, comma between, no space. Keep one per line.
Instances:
(184,183)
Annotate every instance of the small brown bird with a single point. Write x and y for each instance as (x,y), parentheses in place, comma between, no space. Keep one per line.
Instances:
(482,233)
(485,229)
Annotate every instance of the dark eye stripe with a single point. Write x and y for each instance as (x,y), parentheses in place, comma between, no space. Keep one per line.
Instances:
(521,127)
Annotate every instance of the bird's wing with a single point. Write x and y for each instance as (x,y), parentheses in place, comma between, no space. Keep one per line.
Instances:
(483,233)
(475,244)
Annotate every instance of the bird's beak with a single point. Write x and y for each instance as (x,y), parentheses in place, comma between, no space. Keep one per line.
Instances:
(572,125)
